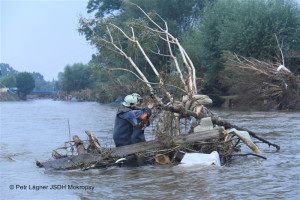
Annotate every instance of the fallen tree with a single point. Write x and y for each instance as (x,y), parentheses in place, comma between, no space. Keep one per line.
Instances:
(170,110)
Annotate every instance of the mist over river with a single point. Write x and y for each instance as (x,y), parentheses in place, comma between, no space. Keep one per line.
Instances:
(30,130)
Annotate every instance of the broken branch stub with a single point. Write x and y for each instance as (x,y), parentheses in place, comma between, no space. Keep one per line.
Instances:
(79,145)
(94,143)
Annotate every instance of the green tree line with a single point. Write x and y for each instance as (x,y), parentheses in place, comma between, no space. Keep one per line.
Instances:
(9,74)
(25,82)
(247,28)
(75,77)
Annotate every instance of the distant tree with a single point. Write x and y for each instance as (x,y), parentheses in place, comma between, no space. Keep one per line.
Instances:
(7,70)
(8,81)
(179,14)
(75,77)
(25,84)
(58,83)
(247,28)
(40,83)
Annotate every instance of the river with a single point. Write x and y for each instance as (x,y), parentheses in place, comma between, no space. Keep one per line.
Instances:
(31,130)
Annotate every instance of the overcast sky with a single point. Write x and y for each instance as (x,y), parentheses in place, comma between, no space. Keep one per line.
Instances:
(41,35)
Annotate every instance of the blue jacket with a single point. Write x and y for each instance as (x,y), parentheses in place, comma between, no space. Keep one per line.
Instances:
(124,131)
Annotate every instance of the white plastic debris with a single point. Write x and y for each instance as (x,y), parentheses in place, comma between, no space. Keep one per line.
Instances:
(205,125)
(120,160)
(282,67)
(191,159)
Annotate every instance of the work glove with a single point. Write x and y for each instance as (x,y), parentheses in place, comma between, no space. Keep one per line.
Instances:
(146,110)
(142,125)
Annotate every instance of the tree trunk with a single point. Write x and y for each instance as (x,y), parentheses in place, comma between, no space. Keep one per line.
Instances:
(181,139)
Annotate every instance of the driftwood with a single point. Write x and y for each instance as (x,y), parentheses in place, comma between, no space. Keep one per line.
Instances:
(86,158)
(79,145)
(94,143)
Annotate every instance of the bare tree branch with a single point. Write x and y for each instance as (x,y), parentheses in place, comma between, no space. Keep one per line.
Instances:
(147,16)
(279,49)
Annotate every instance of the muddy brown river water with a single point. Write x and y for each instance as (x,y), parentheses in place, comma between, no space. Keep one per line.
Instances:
(31,130)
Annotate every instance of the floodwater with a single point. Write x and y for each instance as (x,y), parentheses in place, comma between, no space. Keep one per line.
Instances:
(31,130)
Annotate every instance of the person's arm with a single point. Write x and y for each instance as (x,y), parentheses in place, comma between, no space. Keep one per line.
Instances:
(137,108)
(131,117)
(137,115)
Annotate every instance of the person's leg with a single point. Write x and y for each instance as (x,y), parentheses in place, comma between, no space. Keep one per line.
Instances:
(137,136)
(122,132)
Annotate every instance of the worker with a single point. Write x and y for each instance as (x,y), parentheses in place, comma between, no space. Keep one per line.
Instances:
(130,122)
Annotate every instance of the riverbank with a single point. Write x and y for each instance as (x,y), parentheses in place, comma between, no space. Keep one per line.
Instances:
(8,97)
(230,102)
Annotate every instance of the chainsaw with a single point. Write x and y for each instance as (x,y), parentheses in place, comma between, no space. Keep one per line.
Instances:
(145,118)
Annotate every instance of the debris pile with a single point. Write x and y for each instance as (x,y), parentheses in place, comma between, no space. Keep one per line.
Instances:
(89,154)
(260,84)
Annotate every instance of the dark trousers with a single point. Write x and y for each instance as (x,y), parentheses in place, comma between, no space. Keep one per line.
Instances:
(137,136)
(125,133)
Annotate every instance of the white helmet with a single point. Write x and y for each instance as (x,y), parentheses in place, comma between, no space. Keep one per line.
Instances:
(130,101)
(139,98)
